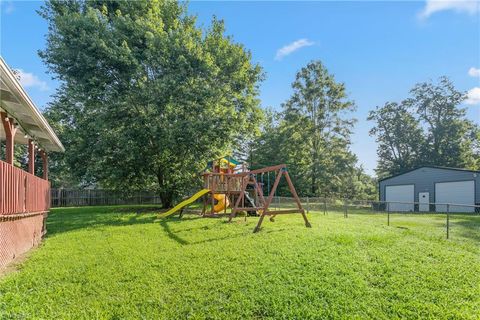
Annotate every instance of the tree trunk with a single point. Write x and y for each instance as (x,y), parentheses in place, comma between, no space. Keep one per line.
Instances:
(166,195)
(167,199)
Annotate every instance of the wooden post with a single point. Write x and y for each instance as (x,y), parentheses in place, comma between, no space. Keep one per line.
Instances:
(10,131)
(213,186)
(269,200)
(44,156)
(31,156)
(205,199)
(248,178)
(227,193)
(239,199)
(295,196)
(258,194)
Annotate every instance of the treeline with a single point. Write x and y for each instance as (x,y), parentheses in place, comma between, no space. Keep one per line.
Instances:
(427,128)
(147,98)
(312,135)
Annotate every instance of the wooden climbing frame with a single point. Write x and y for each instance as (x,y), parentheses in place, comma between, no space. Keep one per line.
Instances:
(234,186)
(249,178)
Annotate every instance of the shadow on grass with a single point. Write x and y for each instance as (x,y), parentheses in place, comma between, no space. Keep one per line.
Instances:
(69,219)
(470,226)
(164,223)
(172,235)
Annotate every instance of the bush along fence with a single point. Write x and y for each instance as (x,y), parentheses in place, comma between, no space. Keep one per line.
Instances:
(100,197)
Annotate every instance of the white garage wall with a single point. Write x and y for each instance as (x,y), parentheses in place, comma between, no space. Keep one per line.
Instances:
(404,193)
(459,192)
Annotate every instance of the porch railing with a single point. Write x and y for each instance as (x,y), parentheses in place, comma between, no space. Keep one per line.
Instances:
(22,192)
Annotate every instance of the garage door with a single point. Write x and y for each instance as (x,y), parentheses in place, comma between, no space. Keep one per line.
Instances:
(403,193)
(460,192)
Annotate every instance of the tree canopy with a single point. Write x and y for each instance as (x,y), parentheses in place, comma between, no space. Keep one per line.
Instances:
(147,97)
(428,128)
(312,135)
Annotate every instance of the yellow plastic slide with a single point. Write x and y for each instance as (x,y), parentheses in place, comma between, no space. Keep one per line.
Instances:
(222,202)
(184,203)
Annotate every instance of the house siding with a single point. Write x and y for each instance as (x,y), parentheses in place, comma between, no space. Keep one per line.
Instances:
(424,180)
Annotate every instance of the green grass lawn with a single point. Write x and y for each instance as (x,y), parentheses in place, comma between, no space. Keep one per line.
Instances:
(111,263)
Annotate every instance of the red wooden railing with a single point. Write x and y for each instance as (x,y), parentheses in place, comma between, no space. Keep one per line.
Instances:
(22,192)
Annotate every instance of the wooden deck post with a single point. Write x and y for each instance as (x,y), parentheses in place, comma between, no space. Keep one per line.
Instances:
(44,156)
(31,156)
(10,131)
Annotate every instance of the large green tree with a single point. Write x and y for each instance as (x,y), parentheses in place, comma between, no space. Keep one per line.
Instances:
(312,135)
(147,97)
(428,128)
(399,136)
(318,124)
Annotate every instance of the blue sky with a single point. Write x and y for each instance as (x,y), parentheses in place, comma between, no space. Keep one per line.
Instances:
(378,49)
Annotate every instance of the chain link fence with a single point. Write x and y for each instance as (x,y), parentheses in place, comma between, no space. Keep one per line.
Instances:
(442,216)
(447,216)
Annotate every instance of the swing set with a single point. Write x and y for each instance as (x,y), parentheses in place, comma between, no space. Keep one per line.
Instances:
(243,192)
(228,183)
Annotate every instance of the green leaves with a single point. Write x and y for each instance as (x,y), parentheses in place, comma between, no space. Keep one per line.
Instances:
(428,128)
(312,135)
(159,96)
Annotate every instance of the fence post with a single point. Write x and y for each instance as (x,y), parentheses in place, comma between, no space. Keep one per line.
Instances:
(448,220)
(345,208)
(308,205)
(388,213)
(324,206)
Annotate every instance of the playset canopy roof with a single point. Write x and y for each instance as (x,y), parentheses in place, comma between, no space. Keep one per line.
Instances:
(227,160)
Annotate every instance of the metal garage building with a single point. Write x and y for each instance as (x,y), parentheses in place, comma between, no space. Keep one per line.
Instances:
(431,185)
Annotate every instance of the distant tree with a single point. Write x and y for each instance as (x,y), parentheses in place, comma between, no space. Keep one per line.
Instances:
(429,128)
(317,127)
(312,136)
(399,136)
(448,133)
(267,148)
(147,97)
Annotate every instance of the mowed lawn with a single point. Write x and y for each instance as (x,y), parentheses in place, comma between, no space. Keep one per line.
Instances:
(116,263)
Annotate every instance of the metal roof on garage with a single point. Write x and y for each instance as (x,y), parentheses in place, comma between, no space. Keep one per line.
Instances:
(435,167)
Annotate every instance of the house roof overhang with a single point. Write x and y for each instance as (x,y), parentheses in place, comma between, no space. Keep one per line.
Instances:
(18,105)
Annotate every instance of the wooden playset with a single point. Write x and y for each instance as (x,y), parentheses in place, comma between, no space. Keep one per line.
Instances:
(228,183)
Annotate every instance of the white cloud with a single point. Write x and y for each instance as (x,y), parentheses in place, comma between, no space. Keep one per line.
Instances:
(7,7)
(28,79)
(473,96)
(464,6)
(474,72)
(292,47)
